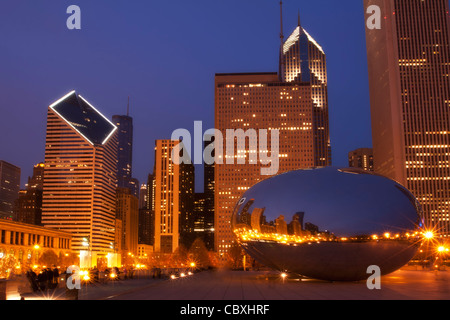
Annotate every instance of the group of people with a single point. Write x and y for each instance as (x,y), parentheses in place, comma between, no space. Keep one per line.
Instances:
(46,279)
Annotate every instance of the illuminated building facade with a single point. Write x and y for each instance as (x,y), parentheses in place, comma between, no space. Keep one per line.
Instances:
(128,212)
(409,67)
(9,189)
(26,242)
(80,178)
(361,158)
(173,199)
(293,101)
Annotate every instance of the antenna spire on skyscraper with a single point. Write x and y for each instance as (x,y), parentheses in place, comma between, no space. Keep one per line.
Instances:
(281,23)
(128,107)
(281,62)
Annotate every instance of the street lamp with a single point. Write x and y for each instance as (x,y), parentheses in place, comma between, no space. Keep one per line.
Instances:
(428,235)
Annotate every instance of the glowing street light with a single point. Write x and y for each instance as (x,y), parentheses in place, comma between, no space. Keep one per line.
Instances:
(428,235)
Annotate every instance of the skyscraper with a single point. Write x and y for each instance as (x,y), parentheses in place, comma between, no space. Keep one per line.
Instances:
(128,212)
(147,214)
(143,191)
(28,207)
(208,193)
(409,67)
(80,176)
(173,199)
(361,158)
(293,101)
(125,178)
(9,188)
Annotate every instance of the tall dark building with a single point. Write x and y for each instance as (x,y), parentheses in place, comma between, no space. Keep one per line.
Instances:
(9,189)
(125,178)
(146,233)
(208,208)
(147,216)
(361,158)
(186,202)
(28,207)
(409,79)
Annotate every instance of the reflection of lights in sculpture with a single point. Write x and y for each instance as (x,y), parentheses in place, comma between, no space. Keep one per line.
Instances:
(329,223)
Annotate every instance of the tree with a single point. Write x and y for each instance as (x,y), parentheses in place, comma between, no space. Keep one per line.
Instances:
(7,265)
(179,257)
(199,254)
(48,258)
(235,256)
(68,259)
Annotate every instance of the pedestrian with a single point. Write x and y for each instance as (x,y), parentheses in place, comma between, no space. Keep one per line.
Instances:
(55,277)
(42,280)
(49,275)
(32,278)
(95,274)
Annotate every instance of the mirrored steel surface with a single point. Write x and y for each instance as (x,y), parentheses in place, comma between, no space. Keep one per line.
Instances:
(329,223)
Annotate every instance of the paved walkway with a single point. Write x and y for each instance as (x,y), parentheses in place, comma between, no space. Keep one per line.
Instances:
(260,286)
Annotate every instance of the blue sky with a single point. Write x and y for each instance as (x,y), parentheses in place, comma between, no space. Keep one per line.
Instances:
(164,54)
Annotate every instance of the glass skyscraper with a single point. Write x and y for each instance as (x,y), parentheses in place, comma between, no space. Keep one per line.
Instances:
(125,178)
(9,188)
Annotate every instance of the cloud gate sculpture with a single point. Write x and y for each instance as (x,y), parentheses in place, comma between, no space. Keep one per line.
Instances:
(329,223)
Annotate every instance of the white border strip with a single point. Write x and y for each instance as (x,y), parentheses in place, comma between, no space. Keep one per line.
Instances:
(64,119)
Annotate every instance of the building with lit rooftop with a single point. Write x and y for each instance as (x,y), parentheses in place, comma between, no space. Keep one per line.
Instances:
(293,101)
(79,194)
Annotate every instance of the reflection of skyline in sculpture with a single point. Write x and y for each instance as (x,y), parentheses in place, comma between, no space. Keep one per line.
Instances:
(255,219)
(296,226)
(245,214)
(281,225)
(365,220)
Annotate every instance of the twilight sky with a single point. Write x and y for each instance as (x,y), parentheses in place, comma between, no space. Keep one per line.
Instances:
(164,54)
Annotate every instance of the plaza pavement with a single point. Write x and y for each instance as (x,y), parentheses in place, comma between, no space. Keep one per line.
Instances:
(241,286)
(225,285)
